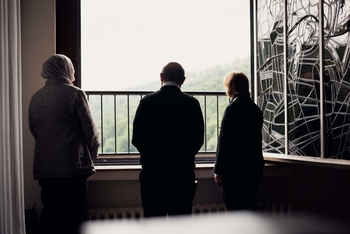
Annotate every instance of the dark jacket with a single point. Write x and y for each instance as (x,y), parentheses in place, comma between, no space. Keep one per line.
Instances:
(239,151)
(66,137)
(168,131)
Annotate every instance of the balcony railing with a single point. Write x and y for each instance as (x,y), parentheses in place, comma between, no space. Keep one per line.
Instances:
(114,112)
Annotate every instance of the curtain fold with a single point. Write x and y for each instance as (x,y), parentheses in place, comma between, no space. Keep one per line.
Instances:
(12,219)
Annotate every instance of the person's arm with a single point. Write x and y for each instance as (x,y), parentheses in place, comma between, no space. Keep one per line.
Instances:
(225,142)
(219,160)
(137,137)
(30,119)
(198,127)
(88,125)
(31,127)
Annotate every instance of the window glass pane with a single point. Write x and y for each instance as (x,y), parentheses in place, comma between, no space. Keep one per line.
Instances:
(125,44)
(304,97)
(303,67)
(270,75)
(337,79)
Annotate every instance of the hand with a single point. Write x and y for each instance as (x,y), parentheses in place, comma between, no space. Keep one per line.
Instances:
(217,179)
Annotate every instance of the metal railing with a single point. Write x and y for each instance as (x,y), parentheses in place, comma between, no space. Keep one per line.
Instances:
(114,112)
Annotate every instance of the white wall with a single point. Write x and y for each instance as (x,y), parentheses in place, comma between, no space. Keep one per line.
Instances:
(38,43)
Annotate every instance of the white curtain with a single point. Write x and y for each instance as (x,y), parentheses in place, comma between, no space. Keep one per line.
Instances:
(11,143)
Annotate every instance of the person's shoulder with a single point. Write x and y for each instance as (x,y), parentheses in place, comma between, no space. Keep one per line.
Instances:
(241,103)
(73,89)
(188,96)
(256,110)
(37,95)
(150,96)
(41,90)
(253,105)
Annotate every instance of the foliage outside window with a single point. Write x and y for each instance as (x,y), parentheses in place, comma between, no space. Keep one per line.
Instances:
(202,37)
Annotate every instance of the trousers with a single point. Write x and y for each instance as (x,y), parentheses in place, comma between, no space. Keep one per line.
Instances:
(167,195)
(240,194)
(63,204)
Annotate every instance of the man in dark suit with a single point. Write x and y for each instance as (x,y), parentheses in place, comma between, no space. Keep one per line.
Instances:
(168,131)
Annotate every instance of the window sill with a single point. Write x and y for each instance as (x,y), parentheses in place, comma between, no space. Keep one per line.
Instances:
(276,165)
(304,160)
(203,171)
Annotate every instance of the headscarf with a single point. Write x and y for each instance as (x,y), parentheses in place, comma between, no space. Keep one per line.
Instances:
(58,66)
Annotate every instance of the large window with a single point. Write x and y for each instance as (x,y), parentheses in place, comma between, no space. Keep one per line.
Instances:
(302,80)
(300,53)
(125,44)
(303,76)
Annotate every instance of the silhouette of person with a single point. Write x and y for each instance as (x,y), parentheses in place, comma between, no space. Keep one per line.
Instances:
(239,160)
(168,131)
(66,140)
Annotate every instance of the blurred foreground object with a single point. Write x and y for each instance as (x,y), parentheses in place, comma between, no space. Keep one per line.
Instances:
(231,222)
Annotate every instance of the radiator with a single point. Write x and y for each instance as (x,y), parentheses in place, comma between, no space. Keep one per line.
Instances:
(137,212)
(116,213)
(271,208)
(275,208)
(208,208)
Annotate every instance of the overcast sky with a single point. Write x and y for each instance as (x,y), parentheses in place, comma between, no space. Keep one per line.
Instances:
(126,43)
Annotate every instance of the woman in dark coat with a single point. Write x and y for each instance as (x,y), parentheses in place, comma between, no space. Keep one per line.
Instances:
(239,160)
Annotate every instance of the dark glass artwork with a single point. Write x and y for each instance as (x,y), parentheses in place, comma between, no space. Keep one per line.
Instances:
(294,100)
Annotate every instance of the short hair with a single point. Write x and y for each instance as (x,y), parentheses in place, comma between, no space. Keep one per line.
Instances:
(173,72)
(237,85)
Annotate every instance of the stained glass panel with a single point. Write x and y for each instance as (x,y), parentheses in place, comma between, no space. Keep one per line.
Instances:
(303,70)
(270,74)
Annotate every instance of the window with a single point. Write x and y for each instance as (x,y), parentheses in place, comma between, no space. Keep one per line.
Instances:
(124,44)
(303,78)
(118,49)
(302,89)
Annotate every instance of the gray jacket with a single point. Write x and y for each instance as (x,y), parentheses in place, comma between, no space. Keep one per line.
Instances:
(66,137)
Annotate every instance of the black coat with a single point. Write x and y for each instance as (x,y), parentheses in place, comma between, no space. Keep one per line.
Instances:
(168,131)
(239,151)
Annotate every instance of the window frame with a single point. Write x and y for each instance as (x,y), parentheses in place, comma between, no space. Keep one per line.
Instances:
(68,38)
(68,42)
(68,33)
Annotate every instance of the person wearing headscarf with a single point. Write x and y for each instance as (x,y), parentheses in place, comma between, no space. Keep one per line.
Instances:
(239,160)
(66,141)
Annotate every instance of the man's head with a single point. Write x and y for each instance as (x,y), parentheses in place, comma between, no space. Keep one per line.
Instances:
(237,85)
(173,72)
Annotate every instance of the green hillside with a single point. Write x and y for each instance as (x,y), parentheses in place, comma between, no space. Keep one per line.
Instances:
(115,122)
(209,79)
